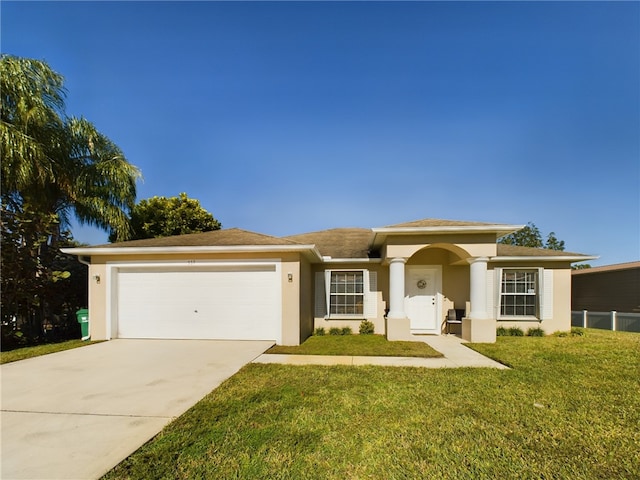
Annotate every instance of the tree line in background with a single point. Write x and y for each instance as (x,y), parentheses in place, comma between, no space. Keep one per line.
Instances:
(55,167)
(530,236)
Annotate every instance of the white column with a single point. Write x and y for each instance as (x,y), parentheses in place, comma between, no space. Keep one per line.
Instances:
(478,284)
(396,288)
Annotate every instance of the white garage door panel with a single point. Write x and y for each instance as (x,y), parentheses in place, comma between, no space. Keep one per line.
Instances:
(222,304)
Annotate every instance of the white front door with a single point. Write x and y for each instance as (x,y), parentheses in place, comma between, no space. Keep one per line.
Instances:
(422,302)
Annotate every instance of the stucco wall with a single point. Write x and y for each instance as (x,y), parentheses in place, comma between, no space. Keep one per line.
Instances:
(298,296)
(455,286)
(561,318)
(561,321)
(474,245)
(306,300)
(380,297)
(102,266)
(290,302)
(98,302)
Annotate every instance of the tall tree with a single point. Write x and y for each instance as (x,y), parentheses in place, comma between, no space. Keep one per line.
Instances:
(53,167)
(54,163)
(553,243)
(530,236)
(163,217)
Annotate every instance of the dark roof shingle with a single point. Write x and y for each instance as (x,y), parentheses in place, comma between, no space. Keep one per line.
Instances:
(505,250)
(216,238)
(338,242)
(335,243)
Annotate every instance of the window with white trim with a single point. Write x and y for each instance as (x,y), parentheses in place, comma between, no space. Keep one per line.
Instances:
(519,293)
(346,295)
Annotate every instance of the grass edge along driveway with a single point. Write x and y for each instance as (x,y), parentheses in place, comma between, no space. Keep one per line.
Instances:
(569,409)
(45,349)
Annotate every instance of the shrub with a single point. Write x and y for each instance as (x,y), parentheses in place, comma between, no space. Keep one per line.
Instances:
(347,331)
(319,331)
(335,331)
(577,332)
(516,332)
(535,332)
(366,328)
(502,332)
(12,339)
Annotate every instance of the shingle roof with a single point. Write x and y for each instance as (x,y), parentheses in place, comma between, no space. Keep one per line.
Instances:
(335,243)
(607,268)
(338,242)
(437,222)
(216,238)
(505,250)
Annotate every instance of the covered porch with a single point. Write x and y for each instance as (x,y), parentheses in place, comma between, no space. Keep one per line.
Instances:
(436,278)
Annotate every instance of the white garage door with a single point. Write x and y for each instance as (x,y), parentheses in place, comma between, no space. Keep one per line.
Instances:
(223,302)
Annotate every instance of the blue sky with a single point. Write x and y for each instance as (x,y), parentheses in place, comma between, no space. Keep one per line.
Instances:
(290,117)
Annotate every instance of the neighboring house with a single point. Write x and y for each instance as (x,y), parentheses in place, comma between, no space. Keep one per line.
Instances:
(235,284)
(607,288)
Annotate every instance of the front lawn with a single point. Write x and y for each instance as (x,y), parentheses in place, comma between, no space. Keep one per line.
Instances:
(28,352)
(569,408)
(357,345)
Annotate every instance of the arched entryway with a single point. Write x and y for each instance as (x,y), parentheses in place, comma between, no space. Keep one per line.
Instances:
(436,280)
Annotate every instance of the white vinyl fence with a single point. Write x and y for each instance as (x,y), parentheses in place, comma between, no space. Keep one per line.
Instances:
(620,321)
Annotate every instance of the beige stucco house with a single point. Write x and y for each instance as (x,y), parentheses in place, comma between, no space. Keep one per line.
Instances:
(235,284)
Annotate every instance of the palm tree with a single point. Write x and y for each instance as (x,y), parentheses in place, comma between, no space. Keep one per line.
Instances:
(53,167)
(54,163)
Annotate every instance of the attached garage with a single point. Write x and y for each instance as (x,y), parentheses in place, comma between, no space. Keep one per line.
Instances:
(219,285)
(217,301)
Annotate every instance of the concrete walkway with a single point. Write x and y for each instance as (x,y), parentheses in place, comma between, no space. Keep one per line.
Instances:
(455,355)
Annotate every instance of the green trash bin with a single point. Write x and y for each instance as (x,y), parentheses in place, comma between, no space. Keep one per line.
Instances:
(83,320)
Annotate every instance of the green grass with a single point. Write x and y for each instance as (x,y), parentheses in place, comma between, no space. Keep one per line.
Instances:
(29,352)
(569,408)
(358,345)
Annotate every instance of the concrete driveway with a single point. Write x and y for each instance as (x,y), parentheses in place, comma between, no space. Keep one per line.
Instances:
(78,413)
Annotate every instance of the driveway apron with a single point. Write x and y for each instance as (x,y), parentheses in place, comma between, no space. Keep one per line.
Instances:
(78,413)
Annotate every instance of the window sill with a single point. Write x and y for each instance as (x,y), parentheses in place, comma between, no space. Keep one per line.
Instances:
(345,317)
(521,318)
